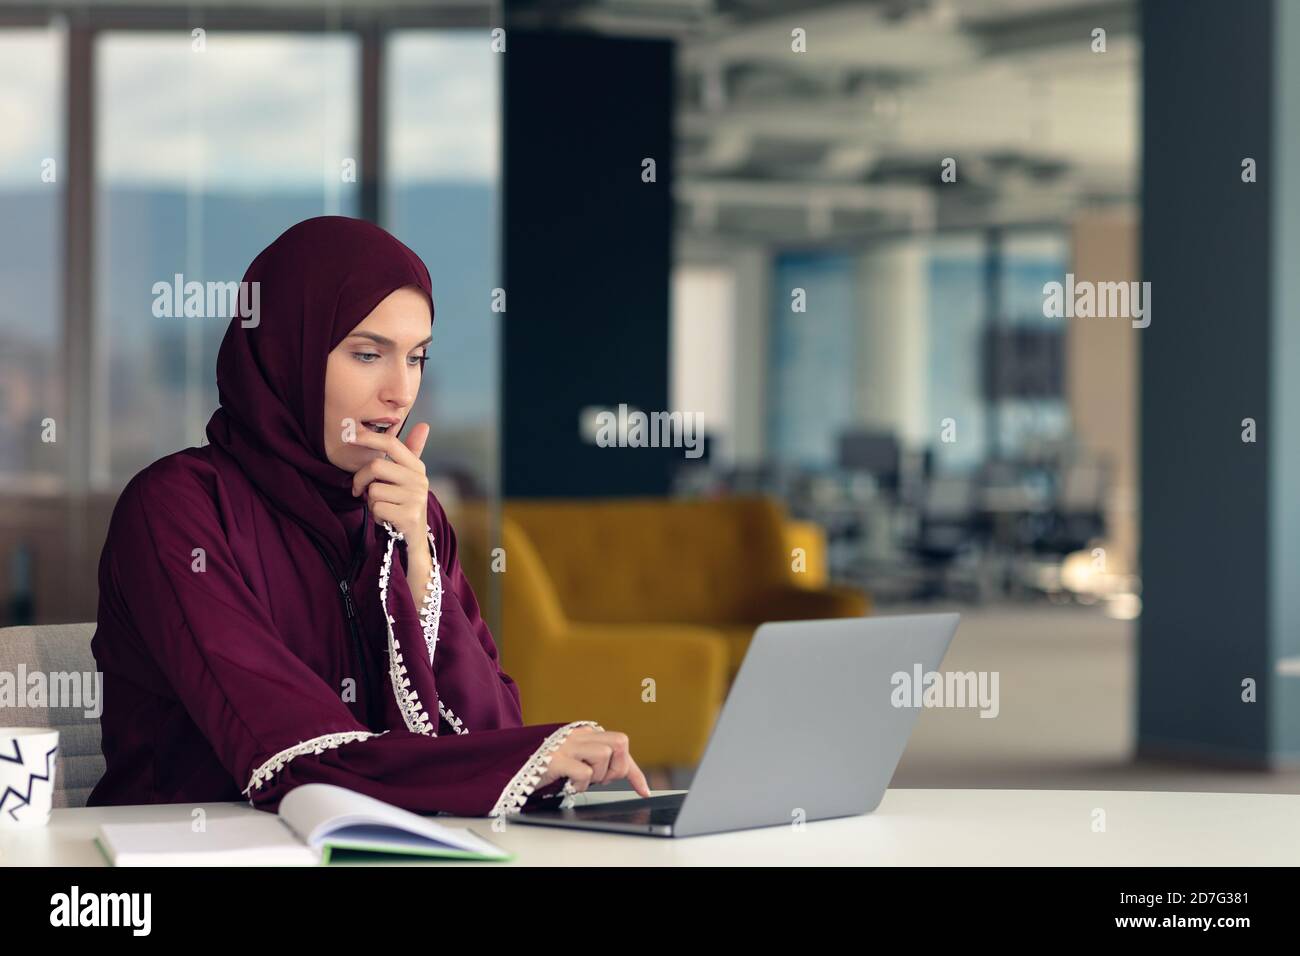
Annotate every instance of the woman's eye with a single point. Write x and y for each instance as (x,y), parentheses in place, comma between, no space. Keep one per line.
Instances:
(366,358)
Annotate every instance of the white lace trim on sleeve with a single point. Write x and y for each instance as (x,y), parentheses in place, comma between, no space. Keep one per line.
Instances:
(523,783)
(430,615)
(452,720)
(408,700)
(315,745)
(431,611)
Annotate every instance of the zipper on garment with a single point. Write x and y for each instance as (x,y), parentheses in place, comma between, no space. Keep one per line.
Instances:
(350,611)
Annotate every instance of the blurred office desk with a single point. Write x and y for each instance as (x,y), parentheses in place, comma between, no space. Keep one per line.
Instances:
(911,827)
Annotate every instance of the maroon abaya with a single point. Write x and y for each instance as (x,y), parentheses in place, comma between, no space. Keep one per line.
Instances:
(256,630)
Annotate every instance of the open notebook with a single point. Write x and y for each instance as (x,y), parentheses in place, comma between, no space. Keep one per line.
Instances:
(314,821)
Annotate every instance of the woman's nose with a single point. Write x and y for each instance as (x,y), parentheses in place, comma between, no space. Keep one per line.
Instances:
(400,387)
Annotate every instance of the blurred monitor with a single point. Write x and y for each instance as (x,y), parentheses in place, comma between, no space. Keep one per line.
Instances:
(875,452)
(1023,362)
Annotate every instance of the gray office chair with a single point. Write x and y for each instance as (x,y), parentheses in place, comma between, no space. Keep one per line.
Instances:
(55,648)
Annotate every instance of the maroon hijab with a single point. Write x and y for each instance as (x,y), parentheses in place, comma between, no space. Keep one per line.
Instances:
(316,282)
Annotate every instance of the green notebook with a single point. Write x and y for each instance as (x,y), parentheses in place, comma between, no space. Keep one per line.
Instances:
(317,824)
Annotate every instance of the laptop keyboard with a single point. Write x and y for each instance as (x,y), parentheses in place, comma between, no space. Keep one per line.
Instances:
(652,811)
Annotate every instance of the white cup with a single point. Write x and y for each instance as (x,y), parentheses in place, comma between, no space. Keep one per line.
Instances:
(28,760)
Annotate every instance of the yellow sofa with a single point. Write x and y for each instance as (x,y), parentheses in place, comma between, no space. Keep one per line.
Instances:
(637,612)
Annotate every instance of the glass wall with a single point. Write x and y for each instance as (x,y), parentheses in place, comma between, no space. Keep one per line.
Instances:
(206,146)
(32,181)
(1036,412)
(442,199)
(994,362)
(204,156)
(811,354)
(997,365)
(956,322)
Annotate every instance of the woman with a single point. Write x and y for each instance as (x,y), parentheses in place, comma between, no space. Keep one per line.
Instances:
(285,604)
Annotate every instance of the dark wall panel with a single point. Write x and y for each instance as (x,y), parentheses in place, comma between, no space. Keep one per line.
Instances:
(1207,75)
(587,257)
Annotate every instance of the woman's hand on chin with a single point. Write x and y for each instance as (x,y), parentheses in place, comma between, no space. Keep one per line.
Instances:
(396,487)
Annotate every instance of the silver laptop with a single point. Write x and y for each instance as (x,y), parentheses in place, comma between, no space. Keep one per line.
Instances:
(809,731)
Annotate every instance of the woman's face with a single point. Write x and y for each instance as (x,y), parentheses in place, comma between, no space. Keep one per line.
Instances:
(373,375)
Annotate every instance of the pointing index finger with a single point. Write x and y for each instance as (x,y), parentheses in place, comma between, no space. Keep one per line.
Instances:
(637,778)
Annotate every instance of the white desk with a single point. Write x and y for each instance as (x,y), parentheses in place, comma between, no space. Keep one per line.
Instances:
(911,827)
